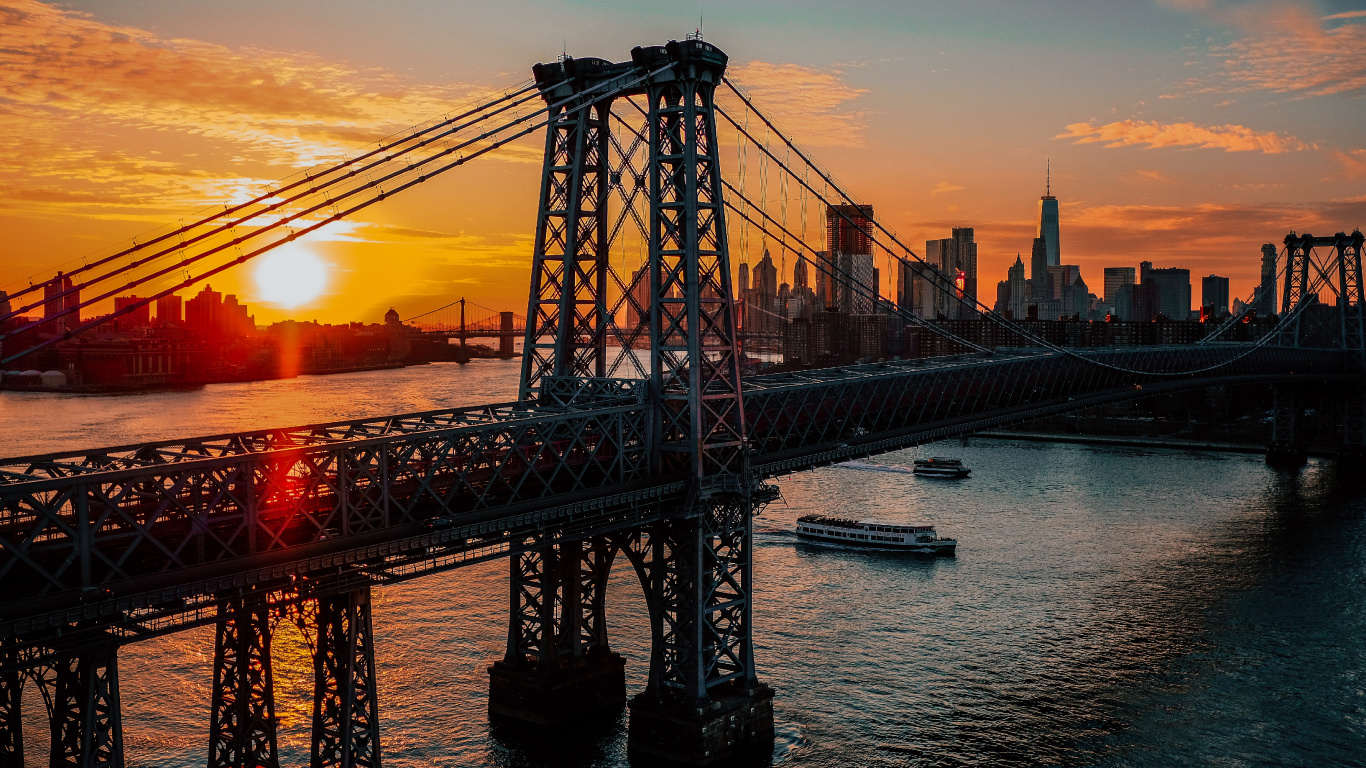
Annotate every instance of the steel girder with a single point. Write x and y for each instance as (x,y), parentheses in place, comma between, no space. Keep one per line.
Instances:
(558,604)
(242,722)
(83,697)
(567,318)
(80,531)
(695,366)
(345,700)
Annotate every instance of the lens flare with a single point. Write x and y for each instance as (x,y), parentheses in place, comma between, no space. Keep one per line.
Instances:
(290,276)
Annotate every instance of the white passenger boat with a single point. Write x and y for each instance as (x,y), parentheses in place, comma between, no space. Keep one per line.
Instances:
(940,467)
(878,535)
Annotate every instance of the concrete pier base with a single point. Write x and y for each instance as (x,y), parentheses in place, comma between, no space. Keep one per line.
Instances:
(735,729)
(1286,455)
(556,696)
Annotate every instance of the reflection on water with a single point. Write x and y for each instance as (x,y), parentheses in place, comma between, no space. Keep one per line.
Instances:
(1108,606)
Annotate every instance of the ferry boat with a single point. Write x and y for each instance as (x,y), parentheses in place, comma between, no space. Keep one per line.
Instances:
(940,467)
(878,535)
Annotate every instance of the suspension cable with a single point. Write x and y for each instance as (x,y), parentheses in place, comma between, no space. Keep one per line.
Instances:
(339,214)
(309,179)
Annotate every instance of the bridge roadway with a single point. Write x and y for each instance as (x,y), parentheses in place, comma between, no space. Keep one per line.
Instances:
(136,541)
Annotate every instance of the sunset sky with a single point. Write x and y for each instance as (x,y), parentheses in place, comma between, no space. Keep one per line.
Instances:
(1182,132)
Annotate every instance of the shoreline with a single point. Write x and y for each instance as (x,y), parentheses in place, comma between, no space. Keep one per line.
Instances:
(1138,442)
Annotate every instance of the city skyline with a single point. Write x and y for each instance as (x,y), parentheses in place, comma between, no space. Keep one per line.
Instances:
(1172,136)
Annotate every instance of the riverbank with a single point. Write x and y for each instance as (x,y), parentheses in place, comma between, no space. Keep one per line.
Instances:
(1145,442)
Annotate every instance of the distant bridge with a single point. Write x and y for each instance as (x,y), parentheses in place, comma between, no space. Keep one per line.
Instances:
(659,456)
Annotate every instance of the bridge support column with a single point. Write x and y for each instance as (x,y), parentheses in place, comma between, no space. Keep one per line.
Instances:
(87,724)
(345,702)
(558,666)
(1287,447)
(11,720)
(703,704)
(242,713)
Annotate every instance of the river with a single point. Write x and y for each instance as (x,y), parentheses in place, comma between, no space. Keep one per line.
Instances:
(1108,606)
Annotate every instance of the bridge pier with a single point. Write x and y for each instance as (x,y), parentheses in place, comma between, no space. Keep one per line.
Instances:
(1287,447)
(87,722)
(242,723)
(11,720)
(703,704)
(559,666)
(345,700)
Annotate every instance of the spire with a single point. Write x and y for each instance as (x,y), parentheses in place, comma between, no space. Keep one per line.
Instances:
(1048,177)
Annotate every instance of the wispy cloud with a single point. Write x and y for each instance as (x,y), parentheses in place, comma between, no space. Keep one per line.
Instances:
(1353,163)
(1154,135)
(942,188)
(1151,176)
(813,104)
(69,82)
(1284,47)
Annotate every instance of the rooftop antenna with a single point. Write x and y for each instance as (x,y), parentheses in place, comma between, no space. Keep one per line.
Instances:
(697,34)
(1048,177)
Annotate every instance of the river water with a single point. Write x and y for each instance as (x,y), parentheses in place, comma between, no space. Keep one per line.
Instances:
(1107,607)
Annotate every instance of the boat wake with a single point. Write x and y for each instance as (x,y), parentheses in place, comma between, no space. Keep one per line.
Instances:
(870,467)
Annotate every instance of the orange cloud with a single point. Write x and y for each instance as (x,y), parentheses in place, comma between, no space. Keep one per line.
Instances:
(1353,163)
(1154,135)
(294,109)
(1286,47)
(811,104)
(942,188)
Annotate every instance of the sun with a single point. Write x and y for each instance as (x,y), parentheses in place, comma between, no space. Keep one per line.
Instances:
(290,276)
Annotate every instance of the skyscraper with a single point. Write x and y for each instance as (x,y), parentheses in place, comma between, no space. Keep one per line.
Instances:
(965,270)
(1169,290)
(1214,294)
(1119,291)
(800,277)
(1048,222)
(1038,271)
(1018,298)
(1265,302)
(169,310)
(847,229)
(54,303)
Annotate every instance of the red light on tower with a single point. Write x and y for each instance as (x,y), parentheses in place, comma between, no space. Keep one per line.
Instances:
(960,281)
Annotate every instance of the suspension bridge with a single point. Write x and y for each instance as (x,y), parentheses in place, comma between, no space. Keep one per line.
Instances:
(633,435)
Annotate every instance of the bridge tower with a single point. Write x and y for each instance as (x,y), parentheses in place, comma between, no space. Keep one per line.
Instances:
(703,702)
(1344,324)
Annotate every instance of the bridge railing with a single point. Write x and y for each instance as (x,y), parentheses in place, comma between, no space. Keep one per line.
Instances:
(72,526)
(790,416)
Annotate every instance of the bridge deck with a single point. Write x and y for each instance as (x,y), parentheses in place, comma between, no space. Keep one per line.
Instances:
(142,538)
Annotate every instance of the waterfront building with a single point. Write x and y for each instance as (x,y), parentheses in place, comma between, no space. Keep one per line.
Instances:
(169,310)
(1214,295)
(55,303)
(136,317)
